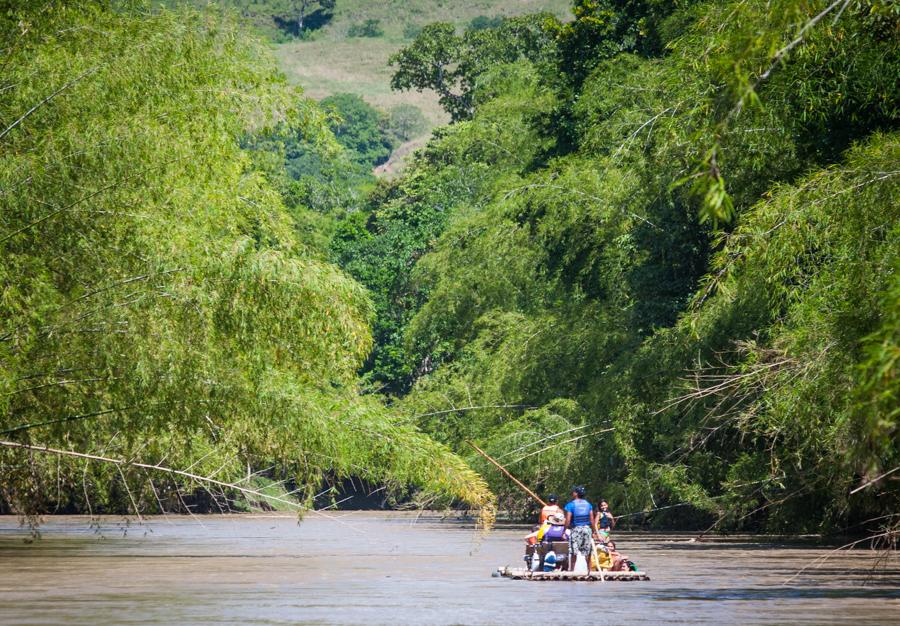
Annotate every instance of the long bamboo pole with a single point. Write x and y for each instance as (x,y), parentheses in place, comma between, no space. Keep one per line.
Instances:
(506,471)
(596,559)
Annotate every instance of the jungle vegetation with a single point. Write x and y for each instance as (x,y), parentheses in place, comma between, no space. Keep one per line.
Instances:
(657,252)
(161,305)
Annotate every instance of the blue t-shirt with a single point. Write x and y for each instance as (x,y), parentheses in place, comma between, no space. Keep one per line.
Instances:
(581,512)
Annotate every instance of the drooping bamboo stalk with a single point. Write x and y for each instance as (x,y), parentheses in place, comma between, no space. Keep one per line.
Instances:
(47,99)
(68,418)
(874,480)
(160,468)
(560,443)
(543,439)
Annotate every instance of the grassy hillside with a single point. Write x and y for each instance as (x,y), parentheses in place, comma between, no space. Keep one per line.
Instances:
(331,61)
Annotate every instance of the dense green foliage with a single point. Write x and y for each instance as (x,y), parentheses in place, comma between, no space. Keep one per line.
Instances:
(358,127)
(157,303)
(658,252)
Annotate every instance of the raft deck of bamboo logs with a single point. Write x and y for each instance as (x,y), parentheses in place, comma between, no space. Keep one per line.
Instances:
(520,573)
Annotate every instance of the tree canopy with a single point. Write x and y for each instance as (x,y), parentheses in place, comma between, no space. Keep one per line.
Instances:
(358,127)
(450,64)
(158,304)
(669,262)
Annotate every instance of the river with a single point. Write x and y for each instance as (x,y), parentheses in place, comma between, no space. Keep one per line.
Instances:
(390,568)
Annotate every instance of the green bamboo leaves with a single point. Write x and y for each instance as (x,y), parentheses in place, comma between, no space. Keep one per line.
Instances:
(156,302)
(696,248)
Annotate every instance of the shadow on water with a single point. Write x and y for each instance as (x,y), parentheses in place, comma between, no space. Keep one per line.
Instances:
(734,545)
(777,593)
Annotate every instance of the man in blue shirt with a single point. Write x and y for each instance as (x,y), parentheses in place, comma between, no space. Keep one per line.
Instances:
(580,519)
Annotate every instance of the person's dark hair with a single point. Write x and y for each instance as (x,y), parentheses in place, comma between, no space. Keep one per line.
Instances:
(603,502)
(552,498)
(578,490)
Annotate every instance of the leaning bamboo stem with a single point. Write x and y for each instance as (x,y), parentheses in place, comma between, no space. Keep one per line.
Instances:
(50,97)
(68,418)
(539,441)
(874,480)
(832,553)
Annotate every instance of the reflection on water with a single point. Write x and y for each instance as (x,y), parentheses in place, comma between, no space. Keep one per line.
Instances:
(394,568)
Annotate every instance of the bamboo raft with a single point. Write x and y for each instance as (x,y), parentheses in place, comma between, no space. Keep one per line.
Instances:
(520,573)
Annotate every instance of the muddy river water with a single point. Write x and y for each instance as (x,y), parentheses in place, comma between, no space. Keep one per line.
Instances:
(398,568)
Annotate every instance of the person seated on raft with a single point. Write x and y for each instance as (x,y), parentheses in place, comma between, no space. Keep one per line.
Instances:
(620,562)
(609,559)
(547,510)
(553,529)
